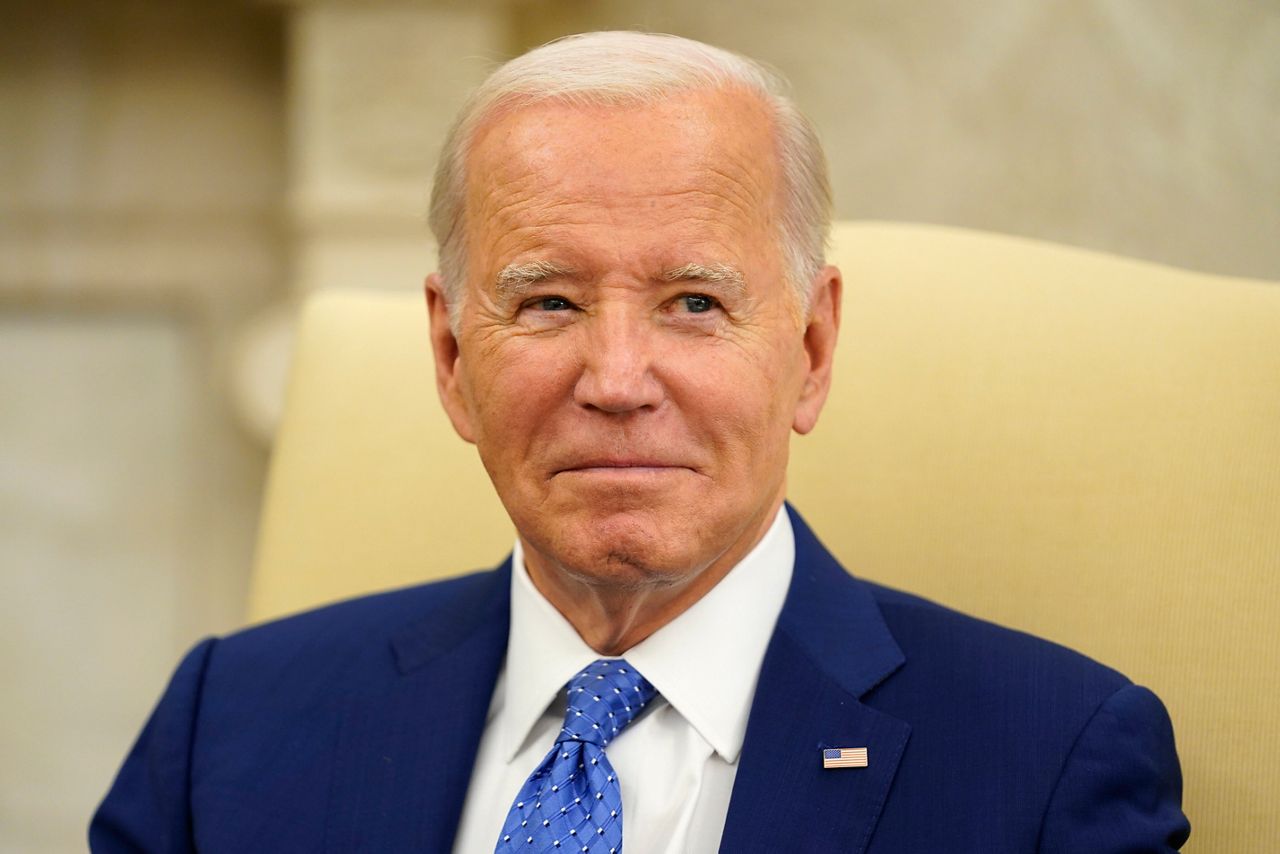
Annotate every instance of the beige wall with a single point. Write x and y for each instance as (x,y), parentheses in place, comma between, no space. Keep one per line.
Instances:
(1144,128)
(141,172)
(170,168)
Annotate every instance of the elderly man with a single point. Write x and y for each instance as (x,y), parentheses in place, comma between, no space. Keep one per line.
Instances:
(632,315)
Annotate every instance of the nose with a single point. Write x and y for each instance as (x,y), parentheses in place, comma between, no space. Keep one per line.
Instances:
(617,366)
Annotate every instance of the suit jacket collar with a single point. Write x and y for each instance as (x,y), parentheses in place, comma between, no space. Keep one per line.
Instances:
(484,608)
(831,647)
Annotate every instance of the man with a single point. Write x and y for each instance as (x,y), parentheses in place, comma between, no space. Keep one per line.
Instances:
(632,315)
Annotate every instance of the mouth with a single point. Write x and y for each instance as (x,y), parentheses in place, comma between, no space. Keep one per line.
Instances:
(621,467)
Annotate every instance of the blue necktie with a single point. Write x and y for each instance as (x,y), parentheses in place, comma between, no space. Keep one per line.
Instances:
(572,800)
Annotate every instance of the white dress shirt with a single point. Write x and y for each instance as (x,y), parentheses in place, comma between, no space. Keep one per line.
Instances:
(676,763)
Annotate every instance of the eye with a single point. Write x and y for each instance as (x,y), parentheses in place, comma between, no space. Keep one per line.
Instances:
(698,303)
(551,304)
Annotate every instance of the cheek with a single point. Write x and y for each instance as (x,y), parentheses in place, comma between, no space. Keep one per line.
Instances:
(743,400)
(512,387)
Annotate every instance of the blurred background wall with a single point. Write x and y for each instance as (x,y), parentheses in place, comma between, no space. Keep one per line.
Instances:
(175,174)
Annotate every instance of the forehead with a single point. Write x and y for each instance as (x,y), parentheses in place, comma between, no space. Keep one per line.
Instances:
(701,163)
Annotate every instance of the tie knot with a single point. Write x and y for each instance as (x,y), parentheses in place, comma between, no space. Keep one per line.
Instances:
(604,697)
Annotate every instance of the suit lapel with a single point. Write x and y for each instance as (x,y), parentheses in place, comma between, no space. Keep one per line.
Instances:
(407,746)
(830,648)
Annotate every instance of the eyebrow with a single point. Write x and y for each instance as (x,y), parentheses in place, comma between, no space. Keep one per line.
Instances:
(516,279)
(719,274)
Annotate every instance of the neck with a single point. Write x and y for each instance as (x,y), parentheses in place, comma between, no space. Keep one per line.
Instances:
(613,617)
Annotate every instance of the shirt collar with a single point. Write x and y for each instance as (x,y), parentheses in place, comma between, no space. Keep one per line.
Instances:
(705,663)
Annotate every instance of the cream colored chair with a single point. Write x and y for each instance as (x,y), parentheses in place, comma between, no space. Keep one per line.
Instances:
(1082,446)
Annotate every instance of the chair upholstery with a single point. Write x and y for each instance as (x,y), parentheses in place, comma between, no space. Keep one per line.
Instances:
(1082,446)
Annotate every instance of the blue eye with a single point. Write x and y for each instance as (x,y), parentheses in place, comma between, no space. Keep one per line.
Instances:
(698,303)
(552,304)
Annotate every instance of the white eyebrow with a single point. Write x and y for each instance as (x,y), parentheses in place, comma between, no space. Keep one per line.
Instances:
(719,274)
(515,279)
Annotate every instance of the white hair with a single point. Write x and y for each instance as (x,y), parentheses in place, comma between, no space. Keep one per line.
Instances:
(630,68)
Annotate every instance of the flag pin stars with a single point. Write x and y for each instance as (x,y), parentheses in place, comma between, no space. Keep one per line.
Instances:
(844,757)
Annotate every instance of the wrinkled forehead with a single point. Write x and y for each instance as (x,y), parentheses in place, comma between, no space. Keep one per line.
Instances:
(704,150)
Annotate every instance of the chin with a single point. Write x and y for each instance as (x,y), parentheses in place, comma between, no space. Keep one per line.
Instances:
(630,548)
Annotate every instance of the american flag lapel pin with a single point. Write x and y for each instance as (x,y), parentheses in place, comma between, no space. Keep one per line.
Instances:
(844,757)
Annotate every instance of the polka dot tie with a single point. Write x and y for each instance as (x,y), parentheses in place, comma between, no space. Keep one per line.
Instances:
(572,800)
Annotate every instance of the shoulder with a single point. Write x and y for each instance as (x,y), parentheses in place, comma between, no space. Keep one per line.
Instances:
(940,649)
(989,678)
(937,638)
(371,615)
(249,731)
(1090,754)
(1003,701)
(359,635)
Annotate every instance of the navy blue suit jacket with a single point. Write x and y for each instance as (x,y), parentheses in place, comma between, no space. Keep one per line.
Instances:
(354,728)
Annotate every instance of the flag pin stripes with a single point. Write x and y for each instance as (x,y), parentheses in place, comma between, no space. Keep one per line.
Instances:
(844,757)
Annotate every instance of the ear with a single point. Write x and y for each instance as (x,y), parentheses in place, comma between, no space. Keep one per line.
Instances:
(821,331)
(449,373)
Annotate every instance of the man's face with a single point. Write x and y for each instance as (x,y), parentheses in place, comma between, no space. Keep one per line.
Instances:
(629,360)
